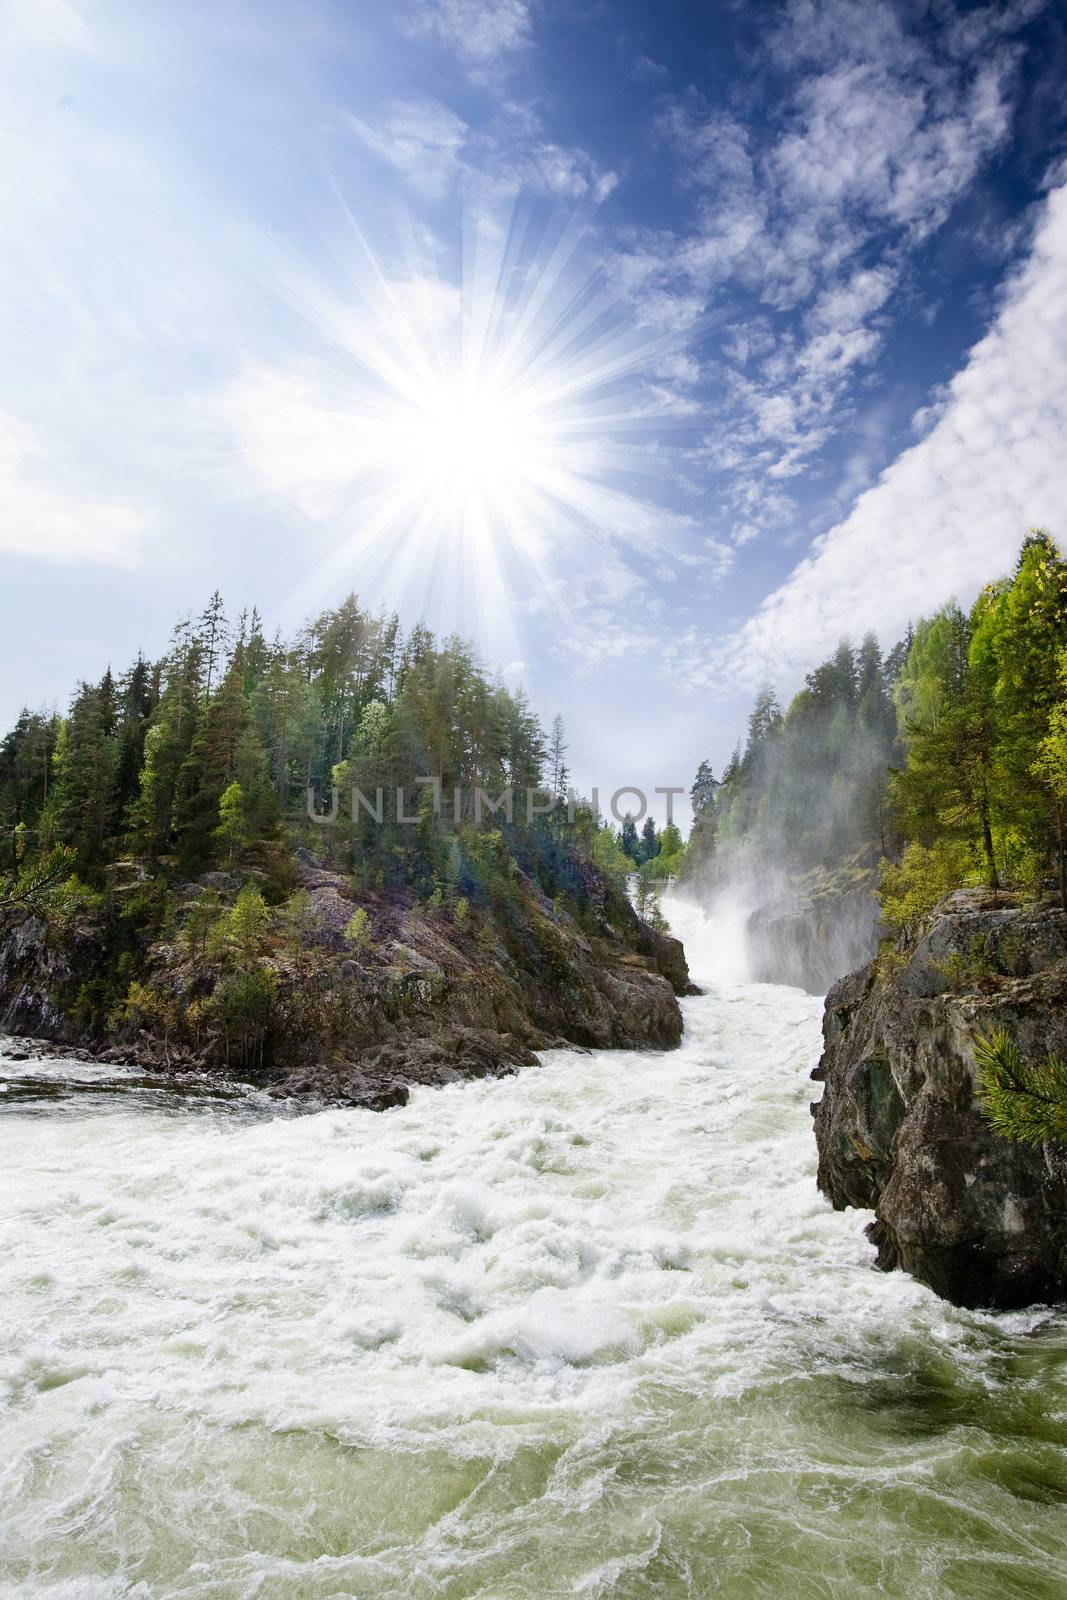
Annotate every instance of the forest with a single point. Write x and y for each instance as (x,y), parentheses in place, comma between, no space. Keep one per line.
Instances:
(175,797)
(940,765)
(200,758)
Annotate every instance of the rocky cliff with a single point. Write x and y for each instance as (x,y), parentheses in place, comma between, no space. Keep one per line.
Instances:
(422,1000)
(821,925)
(980,1219)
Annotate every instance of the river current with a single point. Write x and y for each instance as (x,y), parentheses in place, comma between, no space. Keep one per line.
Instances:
(589,1330)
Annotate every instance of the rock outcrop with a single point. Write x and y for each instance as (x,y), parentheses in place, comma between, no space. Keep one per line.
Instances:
(422,1000)
(820,926)
(979,1218)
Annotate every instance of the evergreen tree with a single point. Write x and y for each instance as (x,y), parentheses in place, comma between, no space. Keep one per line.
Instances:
(702,793)
(82,804)
(559,777)
(213,633)
(628,840)
(167,744)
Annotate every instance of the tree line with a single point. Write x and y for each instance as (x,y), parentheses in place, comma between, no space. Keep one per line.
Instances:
(945,759)
(203,760)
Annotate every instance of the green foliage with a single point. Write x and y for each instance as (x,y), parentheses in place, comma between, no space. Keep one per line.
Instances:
(298,917)
(923,876)
(230,832)
(245,1006)
(609,856)
(205,921)
(979,962)
(37,884)
(247,924)
(146,1007)
(70,899)
(1023,1101)
(955,744)
(629,843)
(669,859)
(205,759)
(808,786)
(461,912)
(646,903)
(358,931)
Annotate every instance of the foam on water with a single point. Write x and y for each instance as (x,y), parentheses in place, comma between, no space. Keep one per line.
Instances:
(587,1331)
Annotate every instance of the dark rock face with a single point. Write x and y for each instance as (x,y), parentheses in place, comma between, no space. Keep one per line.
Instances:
(36,972)
(980,1219)
(425,1003)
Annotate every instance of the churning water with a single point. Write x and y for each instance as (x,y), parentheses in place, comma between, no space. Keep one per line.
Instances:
(586,1331)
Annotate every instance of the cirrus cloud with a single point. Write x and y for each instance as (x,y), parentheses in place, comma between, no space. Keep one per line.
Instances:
(949,513)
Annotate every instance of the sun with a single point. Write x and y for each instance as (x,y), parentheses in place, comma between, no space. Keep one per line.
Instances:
(482,441)
(471,443)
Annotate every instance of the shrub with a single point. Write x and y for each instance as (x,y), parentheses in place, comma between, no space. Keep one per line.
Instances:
(202,922)
(245,1006)
(66,901)
(247,924)
(358,931)
(925,875)
(148,1008)
(299,916)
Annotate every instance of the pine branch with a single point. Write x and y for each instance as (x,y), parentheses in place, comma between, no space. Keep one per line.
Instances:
(1023,1101)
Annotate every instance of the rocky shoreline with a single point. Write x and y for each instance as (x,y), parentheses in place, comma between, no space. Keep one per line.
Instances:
(426,1001)
(981,1219)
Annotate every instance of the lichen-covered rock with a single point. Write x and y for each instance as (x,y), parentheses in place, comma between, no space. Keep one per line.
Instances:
(980,1219)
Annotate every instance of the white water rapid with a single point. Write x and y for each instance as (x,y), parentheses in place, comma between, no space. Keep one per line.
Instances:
(589,1331)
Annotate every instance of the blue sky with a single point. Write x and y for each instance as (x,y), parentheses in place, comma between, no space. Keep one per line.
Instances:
(819,251)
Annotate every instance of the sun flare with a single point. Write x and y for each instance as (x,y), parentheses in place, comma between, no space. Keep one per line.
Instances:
(470,442)
(475,444)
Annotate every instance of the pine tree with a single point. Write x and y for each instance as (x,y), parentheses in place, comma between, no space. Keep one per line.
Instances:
(559,776)
(209,768)
(214,635)
(1024,1101)
(702,793)
(1050,769)
(167,743)
(82,804)
(945,709)
(628,840)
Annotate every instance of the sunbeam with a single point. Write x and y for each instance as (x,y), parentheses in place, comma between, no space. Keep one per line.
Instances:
(470,444)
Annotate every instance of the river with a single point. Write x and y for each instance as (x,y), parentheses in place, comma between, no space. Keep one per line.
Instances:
(585,1331)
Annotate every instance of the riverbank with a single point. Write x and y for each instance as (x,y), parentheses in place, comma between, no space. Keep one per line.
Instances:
(421,994)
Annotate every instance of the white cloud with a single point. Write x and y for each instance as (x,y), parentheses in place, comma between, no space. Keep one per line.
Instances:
(478,31)
(47,517)
(567,174)
(949,514)
(882,130)
(421,139)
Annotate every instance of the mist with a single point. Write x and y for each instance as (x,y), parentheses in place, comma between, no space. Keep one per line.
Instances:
(786,846)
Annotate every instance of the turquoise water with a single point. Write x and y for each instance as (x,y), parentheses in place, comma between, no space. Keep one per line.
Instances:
(586,1331)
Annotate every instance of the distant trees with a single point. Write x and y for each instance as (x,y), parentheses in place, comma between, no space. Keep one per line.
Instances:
(947,758)
(628,838)
(808,786)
